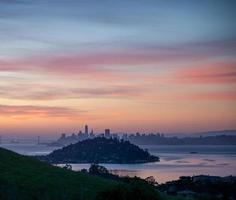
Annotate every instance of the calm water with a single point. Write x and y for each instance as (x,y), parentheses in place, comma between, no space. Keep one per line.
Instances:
(175,161)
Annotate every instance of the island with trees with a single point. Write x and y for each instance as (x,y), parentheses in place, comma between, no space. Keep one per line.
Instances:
(100,150)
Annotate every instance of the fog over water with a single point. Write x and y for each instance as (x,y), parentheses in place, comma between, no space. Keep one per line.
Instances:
(175,161)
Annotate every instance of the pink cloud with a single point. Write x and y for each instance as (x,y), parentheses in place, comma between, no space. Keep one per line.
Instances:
(215,73)
(50,92)
(216,96)
(37,111)
(105,63)
(97,63)
(95,66)
(83,64)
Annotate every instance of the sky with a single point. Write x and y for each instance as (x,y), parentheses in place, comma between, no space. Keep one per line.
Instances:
(128,65)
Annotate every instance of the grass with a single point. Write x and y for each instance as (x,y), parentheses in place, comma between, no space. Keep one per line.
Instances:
(24,177)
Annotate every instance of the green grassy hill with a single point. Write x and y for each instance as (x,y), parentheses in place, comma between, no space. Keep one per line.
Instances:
(26,178)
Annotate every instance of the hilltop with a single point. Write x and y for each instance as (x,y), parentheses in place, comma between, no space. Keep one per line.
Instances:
(100,150)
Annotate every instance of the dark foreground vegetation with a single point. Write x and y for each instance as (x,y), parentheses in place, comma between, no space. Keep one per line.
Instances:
(26,178)
(100,150)
(202,187)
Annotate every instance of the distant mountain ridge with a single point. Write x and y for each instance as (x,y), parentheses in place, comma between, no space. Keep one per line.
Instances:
(203,133)
(100,150)
(153,139)
(215,133)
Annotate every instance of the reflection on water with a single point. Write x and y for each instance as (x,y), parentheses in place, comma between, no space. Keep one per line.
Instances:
(175,161)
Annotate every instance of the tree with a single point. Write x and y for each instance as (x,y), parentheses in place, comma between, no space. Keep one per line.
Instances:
(151,180)
(98,170)
(68,167)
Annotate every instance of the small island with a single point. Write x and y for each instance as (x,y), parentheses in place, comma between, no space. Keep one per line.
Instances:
(100,150)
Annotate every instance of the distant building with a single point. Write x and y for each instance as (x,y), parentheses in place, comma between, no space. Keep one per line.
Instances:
(137,134)
(107,133)
(125,137)
(115,136)
(73,136)
(91,135)
(158,135)
(86,131)
(101,135)
(63,136)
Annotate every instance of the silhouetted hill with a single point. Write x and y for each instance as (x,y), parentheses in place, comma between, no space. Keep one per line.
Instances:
(26,178)
(23,177)
(100,150)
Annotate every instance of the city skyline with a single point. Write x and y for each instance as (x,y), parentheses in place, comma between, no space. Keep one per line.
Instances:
(130,66)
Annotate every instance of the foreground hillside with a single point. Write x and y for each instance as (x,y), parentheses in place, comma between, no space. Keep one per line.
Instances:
(22,177)
(202,187)
(100,150)
(27,178)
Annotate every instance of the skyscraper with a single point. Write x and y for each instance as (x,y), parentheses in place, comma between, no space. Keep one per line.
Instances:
(107,133)
(86,129)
